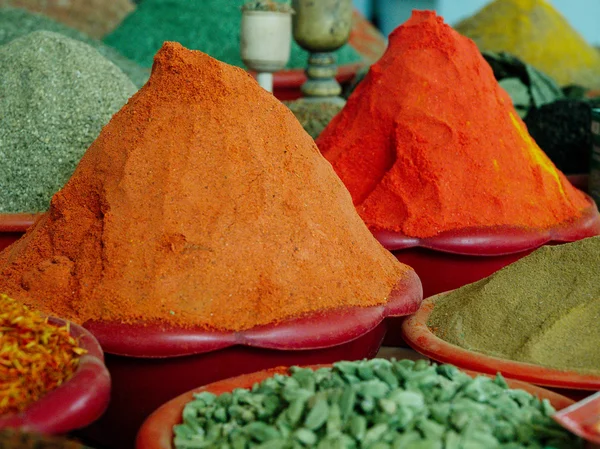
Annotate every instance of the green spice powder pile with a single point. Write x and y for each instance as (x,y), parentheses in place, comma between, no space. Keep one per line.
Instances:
(314,116)
(212,26)
(56,95)
(543,309)
(15,22)
(375,404)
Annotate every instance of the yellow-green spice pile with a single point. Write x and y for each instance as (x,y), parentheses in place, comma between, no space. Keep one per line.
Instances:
(56,95)
(534,31)
(543,309)
(16,22)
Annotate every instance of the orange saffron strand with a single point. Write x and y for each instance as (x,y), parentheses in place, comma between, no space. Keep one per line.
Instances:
(35,356)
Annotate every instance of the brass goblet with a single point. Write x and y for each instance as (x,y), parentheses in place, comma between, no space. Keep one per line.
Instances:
(321,27)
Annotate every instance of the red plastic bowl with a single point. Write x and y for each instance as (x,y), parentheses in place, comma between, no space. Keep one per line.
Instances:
(13,226)
(419,337)
(364,38)
(157,431)
(456,258)
(150,365)
(76,403)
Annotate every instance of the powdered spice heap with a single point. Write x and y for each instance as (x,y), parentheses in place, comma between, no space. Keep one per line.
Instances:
(542,309)
(429,142)
(56,94)
(202,203)
(93,17)
(537,33)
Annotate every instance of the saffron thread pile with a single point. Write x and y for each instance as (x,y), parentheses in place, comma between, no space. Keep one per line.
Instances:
(35,356)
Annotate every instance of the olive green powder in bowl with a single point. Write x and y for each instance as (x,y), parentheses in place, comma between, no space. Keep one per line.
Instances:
(374,404)
(56,94)
(16,22)
(543,309)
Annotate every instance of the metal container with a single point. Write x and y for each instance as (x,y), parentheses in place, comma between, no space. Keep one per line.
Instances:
(322,26)
(594,182)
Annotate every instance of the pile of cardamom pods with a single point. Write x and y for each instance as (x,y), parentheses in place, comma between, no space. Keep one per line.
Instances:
(372,404)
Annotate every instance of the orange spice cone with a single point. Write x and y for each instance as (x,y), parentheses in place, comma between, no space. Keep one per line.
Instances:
(429,142)
(202,203)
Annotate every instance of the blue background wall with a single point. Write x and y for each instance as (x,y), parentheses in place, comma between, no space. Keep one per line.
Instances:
(584,15)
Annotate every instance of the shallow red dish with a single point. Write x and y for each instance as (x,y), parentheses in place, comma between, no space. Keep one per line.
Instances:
(364,38)
(13,226)
(76,403)
(456,258)
(149,365)
(416,333)
(582,418)
(157,430)
(497,240)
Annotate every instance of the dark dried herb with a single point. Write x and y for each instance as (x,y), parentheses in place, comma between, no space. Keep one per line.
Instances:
(562,130)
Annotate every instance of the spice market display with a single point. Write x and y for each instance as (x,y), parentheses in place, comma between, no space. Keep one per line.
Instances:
(130,238)
(375,403)
(35,356)
(93,17)
(179,204)
(56,95)
(534,31)
(550,301)
(16,22)
(214,29)
(421,156)
(557,119)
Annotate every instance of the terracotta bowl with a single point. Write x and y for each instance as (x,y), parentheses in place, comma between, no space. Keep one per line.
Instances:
(13,226)
(149,365)
(76,403)
(456,258)
(364,38)
(419,337)
(157,430)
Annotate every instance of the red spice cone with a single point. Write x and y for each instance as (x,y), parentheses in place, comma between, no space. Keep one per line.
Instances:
(429,142)
(202,203)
